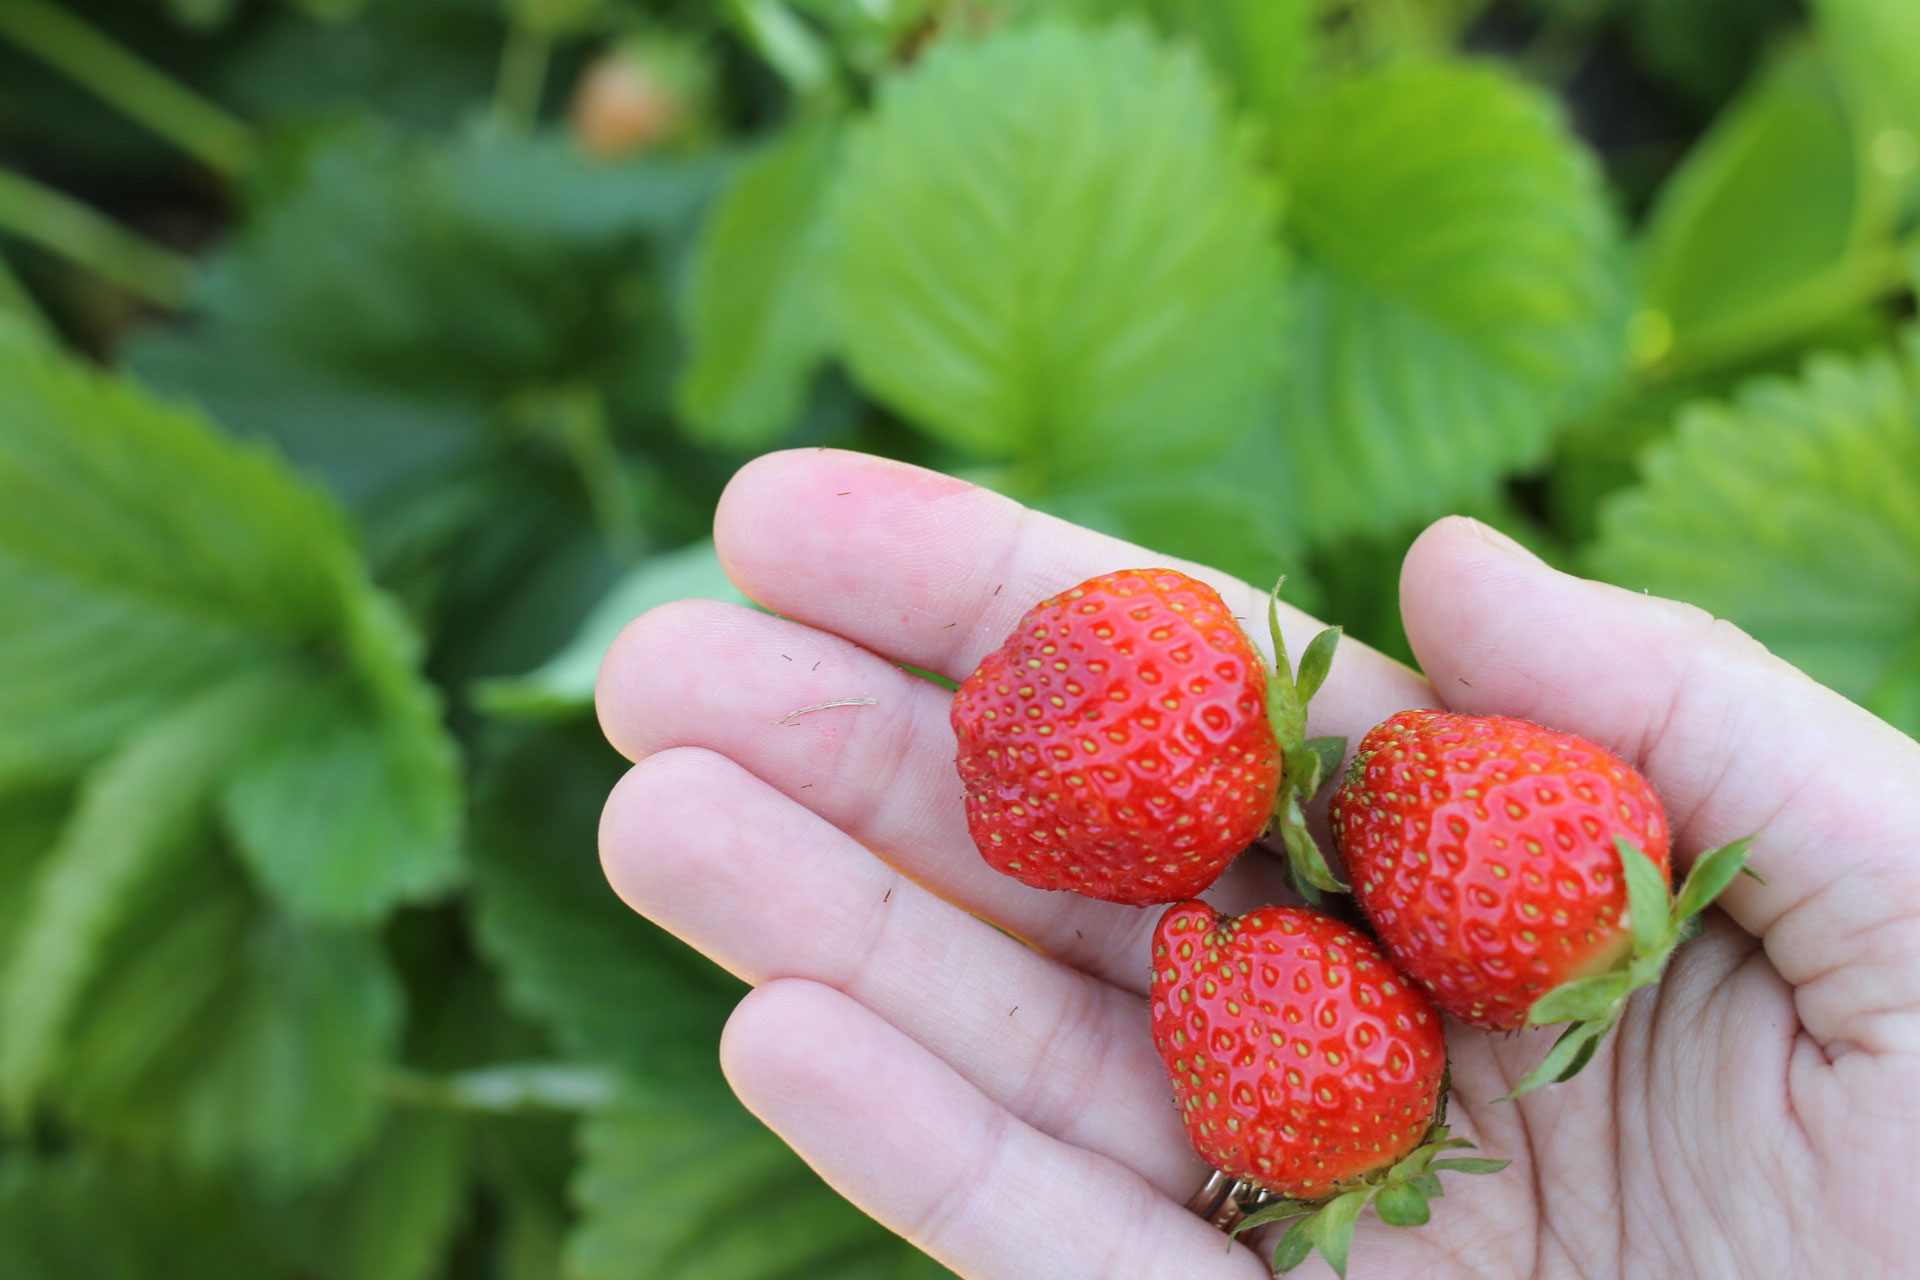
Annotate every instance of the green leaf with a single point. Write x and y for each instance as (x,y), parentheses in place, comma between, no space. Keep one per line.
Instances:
(1333,1228)
(1876,43)
(1428,1184)
(131,817)
(662,1183)
(1712,872)
(1793,511)
(1294,1246)
(1770,211)
(30,824)
(89,1214)
(612,987)
(131,534)
(349,812)
(1260,47)
(1332,752)
(1273,1211)
(1049,245)
(1315,663)
(1581,1000)
(1572,1051)
(563,685)
(1459,296)
(395,1212)
(141,558)
(1469,1164)
(1402,1205)
(1649,898)
(231,1038)
(755,324)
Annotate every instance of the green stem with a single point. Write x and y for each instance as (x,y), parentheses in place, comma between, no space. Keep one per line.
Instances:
(784,43)
(62,225)
(523,77)
(15,300)
(589,440)
(1792,317)
(513,1089)
(143,93)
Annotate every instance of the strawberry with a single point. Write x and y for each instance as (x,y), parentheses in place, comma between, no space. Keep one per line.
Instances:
(1520,875)
(1304,1063)
(1126,742)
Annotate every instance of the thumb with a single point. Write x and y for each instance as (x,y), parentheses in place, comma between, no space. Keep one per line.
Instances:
(1736,741)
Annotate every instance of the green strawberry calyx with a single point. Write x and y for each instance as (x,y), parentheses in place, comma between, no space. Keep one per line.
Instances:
(1660,922)
(1398,1193)
(1306,764)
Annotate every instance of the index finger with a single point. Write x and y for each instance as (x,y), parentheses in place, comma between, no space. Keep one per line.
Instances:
(934,572)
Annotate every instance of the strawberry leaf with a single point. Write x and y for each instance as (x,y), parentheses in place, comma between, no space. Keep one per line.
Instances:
(1582,1000)
(1789,511)
(562,686)
(1294,1246)
(1090,259)
(1648,899)
(1469,1164)
(1331,751)
(1333,1228)
(1459,295)
(1772,207)
(1315,663)
(1712,872)
(1572,1051)
(1404,1205)
(133,813)
(573,958)
(756,327)
(662,1182)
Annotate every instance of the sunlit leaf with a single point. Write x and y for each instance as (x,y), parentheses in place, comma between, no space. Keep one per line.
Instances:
(1793,511)
(1460,292)
(1049,245)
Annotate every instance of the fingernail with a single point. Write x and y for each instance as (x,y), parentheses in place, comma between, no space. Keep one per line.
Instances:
(1494,538)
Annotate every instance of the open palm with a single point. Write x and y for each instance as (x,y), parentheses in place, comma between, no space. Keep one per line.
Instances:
(968,1059)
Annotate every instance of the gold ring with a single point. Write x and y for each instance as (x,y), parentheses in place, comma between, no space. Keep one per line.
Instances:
(1222,1202)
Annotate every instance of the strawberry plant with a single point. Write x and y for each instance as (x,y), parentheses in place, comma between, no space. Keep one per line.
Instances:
(366,365)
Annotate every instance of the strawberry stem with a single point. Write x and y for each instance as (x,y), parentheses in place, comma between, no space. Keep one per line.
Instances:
(1305,765)
(1398,1193)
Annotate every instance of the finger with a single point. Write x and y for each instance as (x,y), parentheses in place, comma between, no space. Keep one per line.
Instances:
(1735,741)
(705,674)
(910,1141)
(769,890)
(935,572)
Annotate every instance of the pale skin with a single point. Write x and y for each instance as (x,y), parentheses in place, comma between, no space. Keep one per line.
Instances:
(1000,1103)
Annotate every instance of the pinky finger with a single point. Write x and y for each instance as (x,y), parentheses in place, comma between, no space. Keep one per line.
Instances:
(901,1134)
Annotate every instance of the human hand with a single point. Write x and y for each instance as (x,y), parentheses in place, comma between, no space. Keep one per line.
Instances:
(1002,1105)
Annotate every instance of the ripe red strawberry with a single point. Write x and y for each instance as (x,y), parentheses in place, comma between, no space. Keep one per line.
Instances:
(1518,874)
(1302,1061)
(1122,743)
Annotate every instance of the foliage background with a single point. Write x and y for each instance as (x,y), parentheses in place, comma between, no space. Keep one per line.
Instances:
(364,364)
